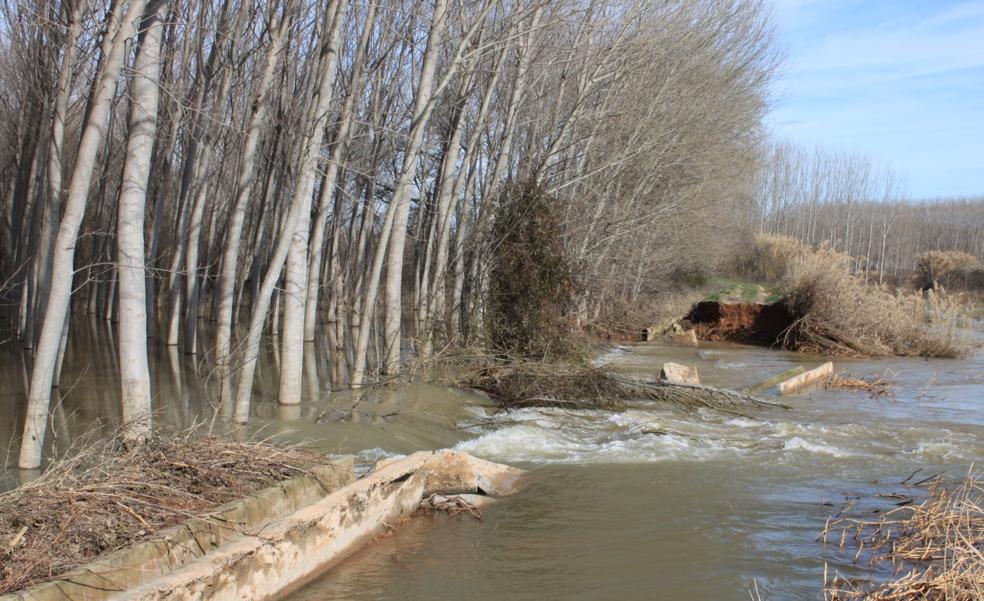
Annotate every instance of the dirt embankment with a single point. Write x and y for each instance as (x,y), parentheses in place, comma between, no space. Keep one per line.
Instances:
(762,324)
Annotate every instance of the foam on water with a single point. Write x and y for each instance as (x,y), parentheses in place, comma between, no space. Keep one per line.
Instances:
(608,357)
(547,435)
(798,444)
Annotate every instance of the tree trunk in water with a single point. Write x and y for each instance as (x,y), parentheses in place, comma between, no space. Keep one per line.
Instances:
(63,254)
(244,187)
(134,371)
(296,281)
(400,205)
(300,204)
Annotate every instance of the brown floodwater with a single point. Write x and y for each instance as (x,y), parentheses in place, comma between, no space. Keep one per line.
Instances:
(641,504)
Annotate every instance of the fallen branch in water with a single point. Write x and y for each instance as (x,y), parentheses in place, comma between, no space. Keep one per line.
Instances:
(695,396)
(526,384)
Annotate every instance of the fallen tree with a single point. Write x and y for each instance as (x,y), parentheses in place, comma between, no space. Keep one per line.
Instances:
(531,383)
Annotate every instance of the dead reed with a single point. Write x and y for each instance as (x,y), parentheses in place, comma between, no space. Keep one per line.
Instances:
(102,498)
(936,547)
(876,387)
(839,314)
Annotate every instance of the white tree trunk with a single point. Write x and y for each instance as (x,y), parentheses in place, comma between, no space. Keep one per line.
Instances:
(300,204)
(63,255)
(296,282)
(244,187)
(134,371)
(400,204)
(316,250)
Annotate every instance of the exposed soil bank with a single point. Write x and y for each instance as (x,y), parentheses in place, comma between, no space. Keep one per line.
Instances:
(760,324)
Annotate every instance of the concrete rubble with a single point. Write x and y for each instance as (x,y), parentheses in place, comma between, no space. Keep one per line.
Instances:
(806,378)
(674,373)
(687,338)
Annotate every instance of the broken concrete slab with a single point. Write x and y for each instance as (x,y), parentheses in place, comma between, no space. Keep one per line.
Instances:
(772,381)
(675,373)
(279,555)
(460,473)
(806,378)
(688,338)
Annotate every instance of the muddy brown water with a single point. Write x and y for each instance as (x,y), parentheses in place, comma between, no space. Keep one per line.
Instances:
(642,504)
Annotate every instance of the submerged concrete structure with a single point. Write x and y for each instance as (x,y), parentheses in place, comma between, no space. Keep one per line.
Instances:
(806,378)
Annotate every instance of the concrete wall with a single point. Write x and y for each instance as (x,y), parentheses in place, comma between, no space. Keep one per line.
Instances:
(272,557)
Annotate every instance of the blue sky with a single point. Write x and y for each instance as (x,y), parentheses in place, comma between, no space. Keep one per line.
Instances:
(900,82)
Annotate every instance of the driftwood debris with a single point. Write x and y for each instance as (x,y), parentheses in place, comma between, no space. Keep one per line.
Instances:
(694,396)
(538,384)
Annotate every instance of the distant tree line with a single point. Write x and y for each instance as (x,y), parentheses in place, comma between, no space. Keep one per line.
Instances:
(843,200)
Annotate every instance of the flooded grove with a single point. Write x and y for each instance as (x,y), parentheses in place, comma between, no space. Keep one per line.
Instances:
(641,504)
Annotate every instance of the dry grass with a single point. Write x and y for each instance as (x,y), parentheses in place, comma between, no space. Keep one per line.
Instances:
(936,547)
(875,386)
(770,258)
(101,499)
(839,314)
(945,268)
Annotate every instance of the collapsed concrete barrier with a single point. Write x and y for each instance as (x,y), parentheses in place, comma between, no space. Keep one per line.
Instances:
(263,554)
(776,379)
(806,378)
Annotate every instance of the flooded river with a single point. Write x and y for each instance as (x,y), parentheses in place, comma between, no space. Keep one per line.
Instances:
(641,504)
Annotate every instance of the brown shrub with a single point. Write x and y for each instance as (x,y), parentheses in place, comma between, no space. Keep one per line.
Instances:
(769,258)
(947,268)
(532,290)
(838,313)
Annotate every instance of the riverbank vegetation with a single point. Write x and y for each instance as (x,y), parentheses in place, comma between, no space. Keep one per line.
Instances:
(100,498)
(935,547)
(835,311)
